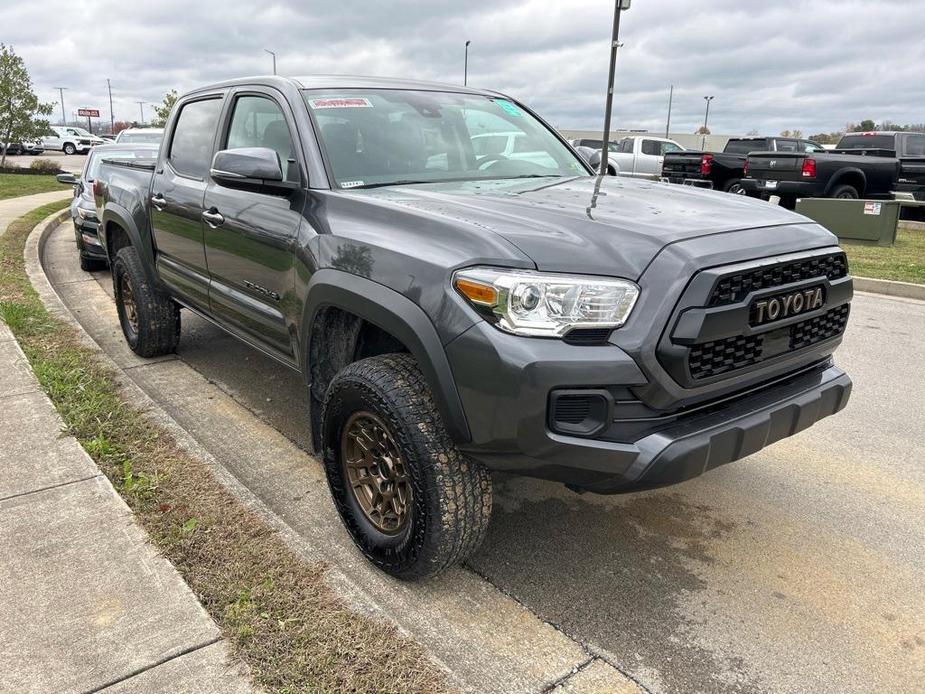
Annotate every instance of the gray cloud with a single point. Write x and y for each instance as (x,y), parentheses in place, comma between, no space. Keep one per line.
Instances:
(806,64)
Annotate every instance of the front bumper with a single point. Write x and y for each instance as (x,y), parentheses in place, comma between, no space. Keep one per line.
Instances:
(86,232)
(510,423)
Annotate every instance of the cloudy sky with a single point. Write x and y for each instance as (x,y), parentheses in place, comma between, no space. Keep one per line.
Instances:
(789,64)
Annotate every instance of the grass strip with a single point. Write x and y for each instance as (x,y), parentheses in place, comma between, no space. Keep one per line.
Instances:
(14,185)
(904,262)
(276,610)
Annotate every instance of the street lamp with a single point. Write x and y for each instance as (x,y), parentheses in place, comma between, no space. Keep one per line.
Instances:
(141,110)
(274,59)
(619,7)
(61,92)
(706,117)
(466,65)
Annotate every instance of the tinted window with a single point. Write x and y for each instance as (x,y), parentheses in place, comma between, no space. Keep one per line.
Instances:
(652,147)
(191,147)
(808,146)
(867,142)
(746,146)
(915,146)
(788,146)
(668,147)
(626,146)
(594,144)
(259,122)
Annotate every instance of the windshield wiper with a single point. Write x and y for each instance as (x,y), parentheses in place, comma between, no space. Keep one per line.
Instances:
(405,182)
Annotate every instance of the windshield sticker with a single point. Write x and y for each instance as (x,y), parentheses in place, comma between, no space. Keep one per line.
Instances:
(351,102)
(509,108)
(351,184)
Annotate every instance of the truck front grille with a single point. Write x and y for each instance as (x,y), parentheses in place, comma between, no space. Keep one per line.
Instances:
(724,356)
(734,288)
(829,324)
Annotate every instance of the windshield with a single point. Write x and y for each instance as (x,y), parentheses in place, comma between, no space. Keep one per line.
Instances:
(81,131)
(153,138)
(97,156)
(381,137)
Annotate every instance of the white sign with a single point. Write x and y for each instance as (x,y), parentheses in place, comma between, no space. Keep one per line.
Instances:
(873,208)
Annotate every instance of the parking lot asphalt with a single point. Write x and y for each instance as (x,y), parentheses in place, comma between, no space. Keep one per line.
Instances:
(72,163)
(799,569)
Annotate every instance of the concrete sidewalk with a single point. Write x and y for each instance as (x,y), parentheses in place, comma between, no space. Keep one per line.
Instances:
(87,604)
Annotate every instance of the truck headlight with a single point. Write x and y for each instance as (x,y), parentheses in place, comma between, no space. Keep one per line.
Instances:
(546,305)
(84,213)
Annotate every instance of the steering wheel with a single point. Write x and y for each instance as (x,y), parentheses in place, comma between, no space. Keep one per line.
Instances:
(491,159)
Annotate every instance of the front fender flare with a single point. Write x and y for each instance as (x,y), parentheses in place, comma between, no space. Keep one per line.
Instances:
(402,318)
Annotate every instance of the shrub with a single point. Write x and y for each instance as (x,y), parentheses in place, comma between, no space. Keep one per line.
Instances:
(44,166)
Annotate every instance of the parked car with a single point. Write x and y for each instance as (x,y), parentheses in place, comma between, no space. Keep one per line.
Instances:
(83,210)
(724,170)
(870,165)
(452,315)
(70,140)
(136,135)
(643,155)
(29,147)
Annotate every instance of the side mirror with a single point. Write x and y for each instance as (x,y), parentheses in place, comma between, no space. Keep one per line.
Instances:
(67,179)
(248,166)
(595,161)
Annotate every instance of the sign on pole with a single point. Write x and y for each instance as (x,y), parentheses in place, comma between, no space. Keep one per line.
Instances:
(88,112)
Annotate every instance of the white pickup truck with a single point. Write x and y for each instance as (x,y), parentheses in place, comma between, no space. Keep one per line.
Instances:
(642,156)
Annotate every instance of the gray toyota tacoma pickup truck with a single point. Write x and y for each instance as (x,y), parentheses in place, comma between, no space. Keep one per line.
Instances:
(458,305)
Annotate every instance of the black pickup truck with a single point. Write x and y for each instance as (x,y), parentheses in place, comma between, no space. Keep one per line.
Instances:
(724,170)
(870,165)
(454,311)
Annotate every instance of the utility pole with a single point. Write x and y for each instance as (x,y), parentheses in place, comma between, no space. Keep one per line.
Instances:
(141,110)
(668,123)
(274,59)
(61,92)
(112,116)
(619,6)
(466,65)
(706,118)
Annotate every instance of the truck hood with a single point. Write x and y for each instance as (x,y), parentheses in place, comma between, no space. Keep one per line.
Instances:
(591,225)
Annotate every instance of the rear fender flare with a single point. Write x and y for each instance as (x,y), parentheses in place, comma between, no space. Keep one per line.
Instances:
(120,216)
(847,172)
(400,317)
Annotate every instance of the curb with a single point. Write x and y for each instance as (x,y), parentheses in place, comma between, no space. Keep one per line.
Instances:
(904,290)
(355,595)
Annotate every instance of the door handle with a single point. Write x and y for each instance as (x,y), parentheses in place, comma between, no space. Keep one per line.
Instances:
(213,218)
(158,201)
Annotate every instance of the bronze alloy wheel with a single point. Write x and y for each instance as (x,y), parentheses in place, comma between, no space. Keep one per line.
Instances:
(376,473)
(128,303)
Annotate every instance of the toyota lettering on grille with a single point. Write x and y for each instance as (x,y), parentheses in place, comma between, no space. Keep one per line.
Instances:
(786,305)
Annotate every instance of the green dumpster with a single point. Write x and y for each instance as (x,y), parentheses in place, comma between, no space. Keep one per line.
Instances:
(873,221)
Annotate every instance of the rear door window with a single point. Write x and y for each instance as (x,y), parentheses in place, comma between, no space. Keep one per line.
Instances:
(788,146)
(191,146)
(651,147)
(915,146)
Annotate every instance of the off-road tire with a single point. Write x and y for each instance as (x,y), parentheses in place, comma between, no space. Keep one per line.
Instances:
(158,316)
(69,148)
(844,192)
(451,494)
(91,264)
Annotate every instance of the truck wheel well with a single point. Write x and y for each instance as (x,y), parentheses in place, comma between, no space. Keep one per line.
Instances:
(339,338)
(852,179)
(116,239)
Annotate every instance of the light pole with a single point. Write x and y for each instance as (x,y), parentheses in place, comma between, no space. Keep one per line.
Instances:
(61,92)
(619,7)
(112,116)
(141,110)
(466,65)
(274,59)
(706,118)
(668,122)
